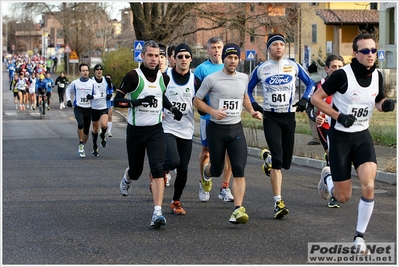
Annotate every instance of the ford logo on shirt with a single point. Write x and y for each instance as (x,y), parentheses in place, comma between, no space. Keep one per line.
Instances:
(278,79)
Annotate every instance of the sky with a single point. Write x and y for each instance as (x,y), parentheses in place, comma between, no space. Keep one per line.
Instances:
(118,5)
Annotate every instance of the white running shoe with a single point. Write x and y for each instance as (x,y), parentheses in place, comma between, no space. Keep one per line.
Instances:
(322,186)
(203,196)
(157,220)
(226,195)
(168,177)
(81,151)
(361,248)
(124,185)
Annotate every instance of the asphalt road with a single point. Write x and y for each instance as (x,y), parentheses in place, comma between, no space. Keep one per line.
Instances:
(61,209)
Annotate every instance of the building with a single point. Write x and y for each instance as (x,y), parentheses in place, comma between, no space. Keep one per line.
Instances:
(388,34)
(333,25)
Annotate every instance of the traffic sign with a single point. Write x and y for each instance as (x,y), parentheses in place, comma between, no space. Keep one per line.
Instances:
(74,55)
(381,55)
(138,45)
(250,54)
(74,58)
(67,49)
(137,56)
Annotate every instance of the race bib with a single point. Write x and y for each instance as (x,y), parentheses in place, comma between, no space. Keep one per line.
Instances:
(61,85)
(183,107)
(361,113)
(149,109)
(278,100)
(234,106)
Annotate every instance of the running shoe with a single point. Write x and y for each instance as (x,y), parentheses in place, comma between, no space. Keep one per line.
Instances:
(103,142)
(322,186)
(360,245)
(168,177)
(81,151)
(95,152)
(267,158)
(333,203)
(177,208)
(109,134)
(125,185)
(239,216)
(157,220)
(226,195)
(280,210)
(203,196)
(206,181)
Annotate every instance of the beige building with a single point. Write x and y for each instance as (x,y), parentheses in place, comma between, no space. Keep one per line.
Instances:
(329,27)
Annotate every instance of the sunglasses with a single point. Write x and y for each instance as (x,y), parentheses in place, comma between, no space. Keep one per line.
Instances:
(99,69)
(181,56)
(367,51)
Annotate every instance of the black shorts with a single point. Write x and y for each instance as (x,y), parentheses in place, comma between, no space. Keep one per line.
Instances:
(83,118)
(347,148)
(279,130)
(97,113)
(41,92)
(231,138)
(22,92)
(142,139)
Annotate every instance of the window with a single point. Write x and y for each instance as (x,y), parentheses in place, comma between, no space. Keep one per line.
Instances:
(60,34)
(314,4)
(373,6)
(252,7)
(314,33)
(252,36)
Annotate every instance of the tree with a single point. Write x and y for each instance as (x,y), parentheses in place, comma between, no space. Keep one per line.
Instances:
(166,22)
(86,25)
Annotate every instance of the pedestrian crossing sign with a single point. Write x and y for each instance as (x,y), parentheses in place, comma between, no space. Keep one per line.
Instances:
(137,56)
(381,55)
(138,45)
(250,54)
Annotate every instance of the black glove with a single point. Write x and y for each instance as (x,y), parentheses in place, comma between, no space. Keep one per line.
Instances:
(388,105)
(301,104)
(177,113)
(89,97)
(346,120)
(148,100)
(257,107)
(109,96)
(69,103)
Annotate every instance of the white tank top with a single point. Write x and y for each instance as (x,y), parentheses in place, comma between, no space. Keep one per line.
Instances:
(145,115)
(181,96)
(358,101)
(100,90)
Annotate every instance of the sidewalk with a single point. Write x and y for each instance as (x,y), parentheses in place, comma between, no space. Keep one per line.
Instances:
(311,156)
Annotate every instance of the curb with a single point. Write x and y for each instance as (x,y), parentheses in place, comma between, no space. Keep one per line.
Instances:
(385,177)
